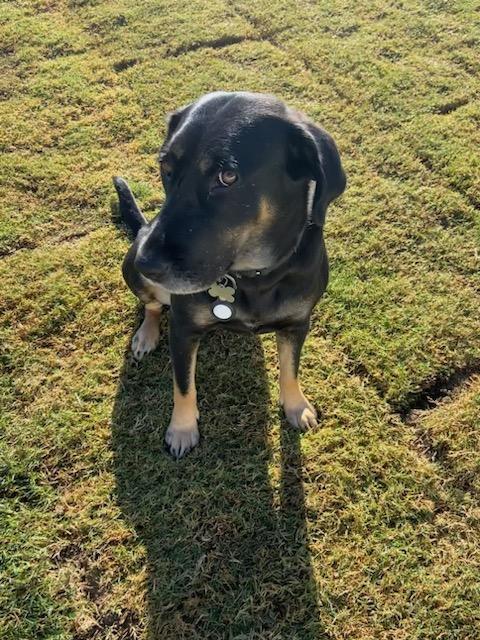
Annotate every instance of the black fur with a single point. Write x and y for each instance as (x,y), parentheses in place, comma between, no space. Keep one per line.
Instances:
(259,229)
(130,214)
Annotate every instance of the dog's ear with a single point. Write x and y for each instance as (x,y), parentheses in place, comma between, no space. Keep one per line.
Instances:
(174,119)
(312,154)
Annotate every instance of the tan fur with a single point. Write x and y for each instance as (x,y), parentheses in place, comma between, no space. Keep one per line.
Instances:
(146,338)
(265,214)
(156,291)
(152,307)
(185,411)
(182,433)
(290,392)
(185,406)
(203,316)
(298,410)
(252,253)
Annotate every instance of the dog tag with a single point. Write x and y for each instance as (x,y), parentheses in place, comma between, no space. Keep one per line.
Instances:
(222,311)
(222,292)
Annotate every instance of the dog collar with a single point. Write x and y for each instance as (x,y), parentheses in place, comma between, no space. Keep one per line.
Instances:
(223,291)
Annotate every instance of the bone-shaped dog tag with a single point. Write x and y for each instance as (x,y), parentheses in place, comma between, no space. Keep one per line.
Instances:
(222,292)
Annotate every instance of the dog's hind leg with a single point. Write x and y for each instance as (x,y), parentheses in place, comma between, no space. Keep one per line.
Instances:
(148,334)
(298,410)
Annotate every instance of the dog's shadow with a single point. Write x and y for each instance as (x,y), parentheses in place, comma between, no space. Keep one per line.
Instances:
(224,528)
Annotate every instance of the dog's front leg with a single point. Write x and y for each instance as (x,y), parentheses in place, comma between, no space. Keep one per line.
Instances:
(147,336)
(298,410)
(182,433)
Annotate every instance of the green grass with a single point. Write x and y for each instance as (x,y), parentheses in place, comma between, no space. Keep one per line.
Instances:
(366,528)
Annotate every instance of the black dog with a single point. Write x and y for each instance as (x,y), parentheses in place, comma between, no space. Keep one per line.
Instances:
(239,240)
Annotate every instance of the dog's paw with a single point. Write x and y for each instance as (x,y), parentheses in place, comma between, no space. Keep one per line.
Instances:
(145,340)
(302,415)
(181,439)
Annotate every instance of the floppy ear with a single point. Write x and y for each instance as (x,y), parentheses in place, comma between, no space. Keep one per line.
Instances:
(173,121)
(312,154)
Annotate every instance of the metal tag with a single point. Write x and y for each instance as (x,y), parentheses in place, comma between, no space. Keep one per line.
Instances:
(222,311)
(224,292)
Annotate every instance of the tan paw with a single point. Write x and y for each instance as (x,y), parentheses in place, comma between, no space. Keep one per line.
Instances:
(302,415)
(145,340)
(181,439)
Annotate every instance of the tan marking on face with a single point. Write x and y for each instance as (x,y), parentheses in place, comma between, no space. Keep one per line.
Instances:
(256,227)
(252,253)
(265,213)
(253,231)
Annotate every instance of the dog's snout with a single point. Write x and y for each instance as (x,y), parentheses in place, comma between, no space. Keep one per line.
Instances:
(151,266)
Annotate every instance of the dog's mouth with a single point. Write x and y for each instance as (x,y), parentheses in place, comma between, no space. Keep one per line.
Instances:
(186,283)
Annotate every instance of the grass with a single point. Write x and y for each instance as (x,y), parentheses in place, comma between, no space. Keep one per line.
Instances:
(366,528)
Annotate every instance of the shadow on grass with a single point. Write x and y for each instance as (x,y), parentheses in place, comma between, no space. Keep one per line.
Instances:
(227,555)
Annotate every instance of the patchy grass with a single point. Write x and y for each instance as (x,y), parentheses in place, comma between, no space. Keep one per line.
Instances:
(368,527)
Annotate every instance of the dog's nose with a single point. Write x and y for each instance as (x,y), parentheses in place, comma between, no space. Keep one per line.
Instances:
(152,267)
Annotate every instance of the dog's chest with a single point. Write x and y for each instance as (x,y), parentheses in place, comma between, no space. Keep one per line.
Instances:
(262,312)
(256,311)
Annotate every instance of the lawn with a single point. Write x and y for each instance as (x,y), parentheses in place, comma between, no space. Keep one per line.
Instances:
(365,528)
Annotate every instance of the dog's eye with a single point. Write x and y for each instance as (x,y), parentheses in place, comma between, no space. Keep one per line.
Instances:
(227,177)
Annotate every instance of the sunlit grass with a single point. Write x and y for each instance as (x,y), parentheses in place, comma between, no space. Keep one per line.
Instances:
(369,526)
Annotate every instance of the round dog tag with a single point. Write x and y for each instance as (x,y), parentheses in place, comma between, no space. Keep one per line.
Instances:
(222,311)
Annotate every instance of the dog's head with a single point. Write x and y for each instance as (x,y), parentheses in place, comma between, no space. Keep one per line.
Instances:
(236,169)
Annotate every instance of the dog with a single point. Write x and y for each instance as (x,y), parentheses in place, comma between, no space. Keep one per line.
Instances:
(238,241)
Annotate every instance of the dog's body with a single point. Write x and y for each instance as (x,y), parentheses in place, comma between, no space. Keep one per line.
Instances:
(247,184)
